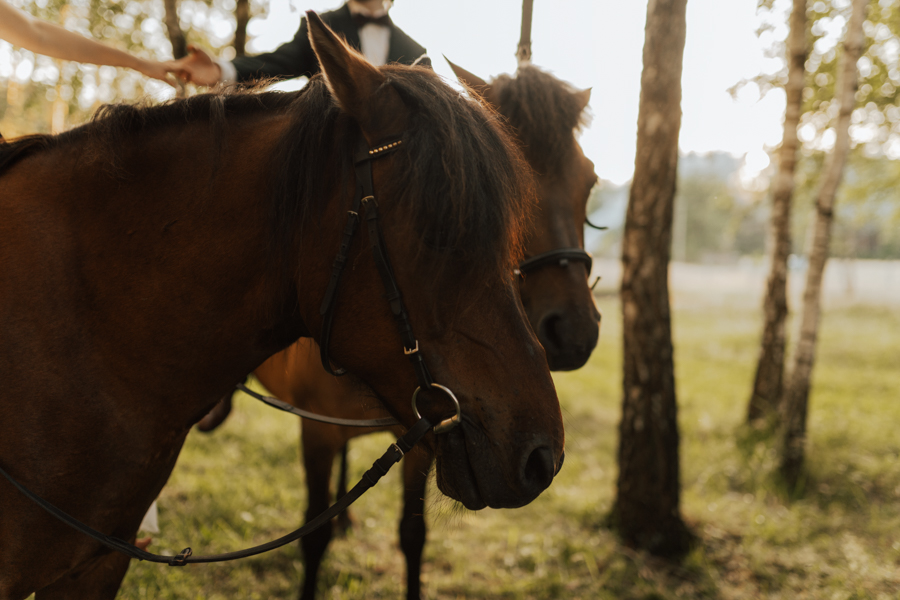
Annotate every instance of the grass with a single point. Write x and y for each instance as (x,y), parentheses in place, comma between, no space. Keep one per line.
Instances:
(839,539)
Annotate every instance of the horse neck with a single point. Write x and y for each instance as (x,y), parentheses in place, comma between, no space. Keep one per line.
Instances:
(172,248)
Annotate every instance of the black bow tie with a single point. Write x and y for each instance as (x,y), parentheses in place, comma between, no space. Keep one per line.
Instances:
(361,20)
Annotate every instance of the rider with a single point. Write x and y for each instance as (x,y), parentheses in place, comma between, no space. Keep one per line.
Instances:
(21,29)
(364,23)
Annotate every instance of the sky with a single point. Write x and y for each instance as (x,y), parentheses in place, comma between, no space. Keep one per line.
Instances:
(596,44)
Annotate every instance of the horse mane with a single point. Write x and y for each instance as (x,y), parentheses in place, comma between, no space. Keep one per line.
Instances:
(12,151)
(544,112)
(112,124)
(462,177)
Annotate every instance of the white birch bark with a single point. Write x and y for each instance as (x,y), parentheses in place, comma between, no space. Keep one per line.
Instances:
(796,397)
(767,384)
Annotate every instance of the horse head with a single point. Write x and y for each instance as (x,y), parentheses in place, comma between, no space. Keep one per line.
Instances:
(546,113)
(454,195)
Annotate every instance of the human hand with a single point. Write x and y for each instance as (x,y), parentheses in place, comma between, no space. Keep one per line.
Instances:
(157,70)
(197,67)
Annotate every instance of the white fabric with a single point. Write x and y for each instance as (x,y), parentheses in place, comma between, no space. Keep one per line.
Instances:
(150,524)
(375,43)
(229,72)
(374,39)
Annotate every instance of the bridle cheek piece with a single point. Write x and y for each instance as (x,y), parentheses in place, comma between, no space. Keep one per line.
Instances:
(364,200)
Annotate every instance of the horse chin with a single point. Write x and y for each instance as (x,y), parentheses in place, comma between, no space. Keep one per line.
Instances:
(455,477)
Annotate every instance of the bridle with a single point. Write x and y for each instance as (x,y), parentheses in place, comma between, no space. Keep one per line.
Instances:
(363,199)
(561,257)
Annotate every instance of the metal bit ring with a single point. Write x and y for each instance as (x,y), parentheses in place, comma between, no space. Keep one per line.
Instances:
(447,424)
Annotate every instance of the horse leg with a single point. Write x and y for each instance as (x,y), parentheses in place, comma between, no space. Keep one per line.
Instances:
(416,465)
(343,522)
(318,457)
(98,581)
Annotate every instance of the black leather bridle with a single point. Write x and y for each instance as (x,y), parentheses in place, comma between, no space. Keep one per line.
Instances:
(561,257)
(364,198)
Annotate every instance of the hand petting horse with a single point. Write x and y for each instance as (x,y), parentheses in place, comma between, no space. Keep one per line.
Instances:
(153,257)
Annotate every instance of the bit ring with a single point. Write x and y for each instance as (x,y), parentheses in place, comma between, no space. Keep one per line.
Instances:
(447,424)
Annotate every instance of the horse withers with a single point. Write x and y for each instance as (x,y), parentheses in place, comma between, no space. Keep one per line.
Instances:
(153,257)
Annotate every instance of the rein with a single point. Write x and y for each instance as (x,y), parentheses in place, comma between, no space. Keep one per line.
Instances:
(364,198)
(282,405)
(379,468)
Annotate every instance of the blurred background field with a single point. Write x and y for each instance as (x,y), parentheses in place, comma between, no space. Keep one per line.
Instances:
(841,539)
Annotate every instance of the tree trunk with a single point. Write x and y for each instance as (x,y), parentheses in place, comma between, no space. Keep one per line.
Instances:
(523,52)
(796,399)
(647,512)
(173,27)
(241,17)
(767,385)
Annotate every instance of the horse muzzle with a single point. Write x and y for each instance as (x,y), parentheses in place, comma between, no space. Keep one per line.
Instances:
(479,473)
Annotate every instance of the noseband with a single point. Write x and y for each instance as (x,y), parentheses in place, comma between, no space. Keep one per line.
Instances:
(364,199)
(560,256)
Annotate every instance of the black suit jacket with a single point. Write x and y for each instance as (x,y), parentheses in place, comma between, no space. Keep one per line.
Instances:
(296,58)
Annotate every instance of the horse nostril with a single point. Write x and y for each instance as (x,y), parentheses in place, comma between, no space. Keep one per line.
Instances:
(548,332)
(539,470)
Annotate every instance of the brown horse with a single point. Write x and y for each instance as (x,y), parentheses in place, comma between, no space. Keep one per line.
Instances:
(545,113)
(153,257)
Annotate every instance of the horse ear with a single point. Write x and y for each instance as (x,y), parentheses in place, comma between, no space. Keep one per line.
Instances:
(351,78)
(583,97)
(473,81)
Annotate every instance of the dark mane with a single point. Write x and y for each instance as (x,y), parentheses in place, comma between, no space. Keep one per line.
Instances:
(113,124)
(12,152)
(544,112)
(462,177)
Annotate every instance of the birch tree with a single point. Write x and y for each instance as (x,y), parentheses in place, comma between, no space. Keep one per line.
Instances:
(767,384)
(796,398)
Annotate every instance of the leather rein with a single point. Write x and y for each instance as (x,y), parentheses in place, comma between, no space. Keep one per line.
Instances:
(364,198)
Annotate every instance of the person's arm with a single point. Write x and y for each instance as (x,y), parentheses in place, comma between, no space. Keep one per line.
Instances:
(291,59)
(21,29)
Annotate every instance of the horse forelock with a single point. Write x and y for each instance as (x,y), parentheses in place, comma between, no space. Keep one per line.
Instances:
(545,113)
(460,176)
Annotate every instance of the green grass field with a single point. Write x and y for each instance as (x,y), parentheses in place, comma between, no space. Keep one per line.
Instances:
(243,485)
